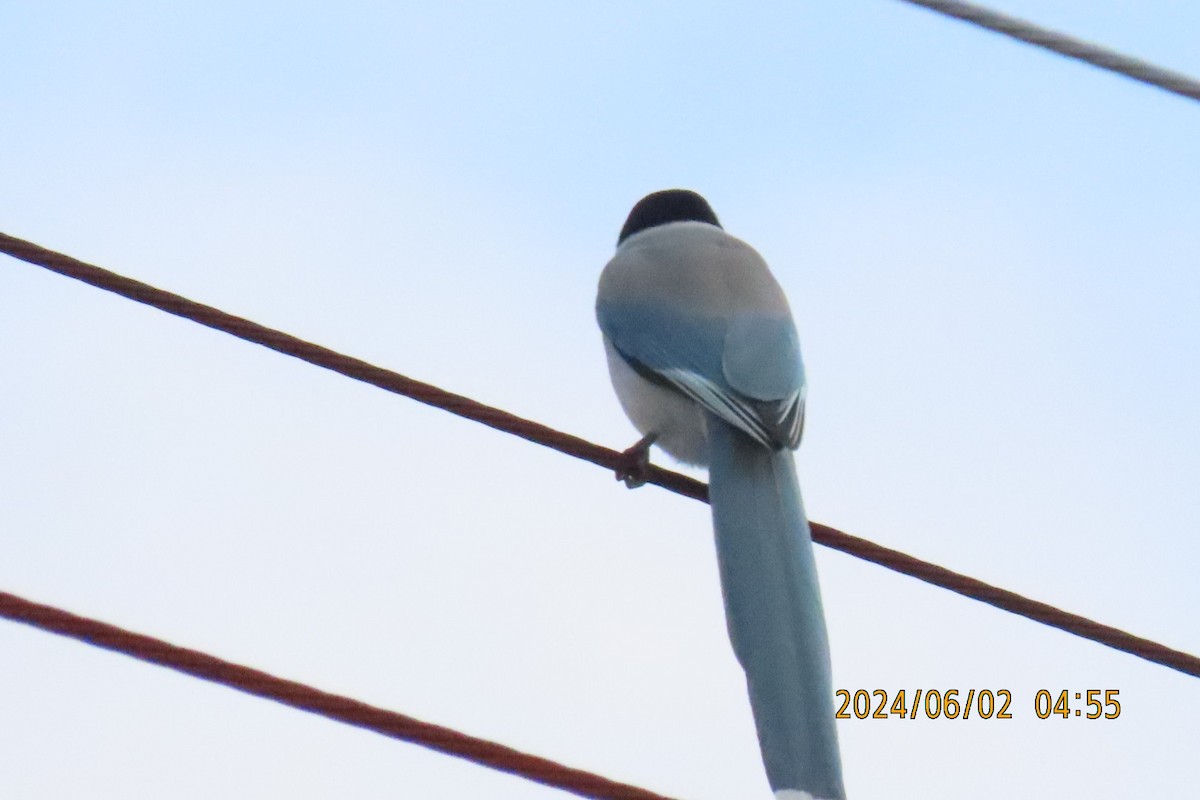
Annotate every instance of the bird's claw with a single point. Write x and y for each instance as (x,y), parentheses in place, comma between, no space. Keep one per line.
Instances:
(634,465)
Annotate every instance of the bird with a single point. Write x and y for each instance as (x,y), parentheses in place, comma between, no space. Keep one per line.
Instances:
(704,357)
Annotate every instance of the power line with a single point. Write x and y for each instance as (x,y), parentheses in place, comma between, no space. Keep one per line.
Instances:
(306,698)
(1066,45)
(581,448)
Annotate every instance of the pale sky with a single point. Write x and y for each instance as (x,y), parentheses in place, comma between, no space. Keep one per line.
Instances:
(992,257)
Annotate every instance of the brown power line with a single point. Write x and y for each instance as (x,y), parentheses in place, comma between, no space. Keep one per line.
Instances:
(580,448)
(306,698)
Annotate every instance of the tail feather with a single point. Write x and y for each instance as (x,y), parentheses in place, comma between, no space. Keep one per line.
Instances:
(773,610)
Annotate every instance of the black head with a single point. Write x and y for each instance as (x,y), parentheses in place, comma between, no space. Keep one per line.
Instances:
(669,205)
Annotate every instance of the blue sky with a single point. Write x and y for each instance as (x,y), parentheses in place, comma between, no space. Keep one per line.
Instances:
(991,253)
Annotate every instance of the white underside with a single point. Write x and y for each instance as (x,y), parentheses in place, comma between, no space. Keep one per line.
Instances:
(794,794)
(677,420)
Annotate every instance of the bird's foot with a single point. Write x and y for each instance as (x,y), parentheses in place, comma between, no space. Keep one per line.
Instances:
(634,464)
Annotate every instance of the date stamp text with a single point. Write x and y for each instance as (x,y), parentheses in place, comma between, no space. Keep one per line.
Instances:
(974,703)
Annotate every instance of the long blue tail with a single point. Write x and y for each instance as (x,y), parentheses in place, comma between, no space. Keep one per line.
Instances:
(773,609)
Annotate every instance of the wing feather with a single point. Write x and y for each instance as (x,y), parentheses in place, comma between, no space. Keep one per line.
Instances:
(687,354)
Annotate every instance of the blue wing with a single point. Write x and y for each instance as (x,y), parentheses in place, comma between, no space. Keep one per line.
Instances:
(745,369)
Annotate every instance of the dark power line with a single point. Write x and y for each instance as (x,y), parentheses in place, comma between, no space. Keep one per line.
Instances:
(581,448)
(1066,45)
(306,698)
